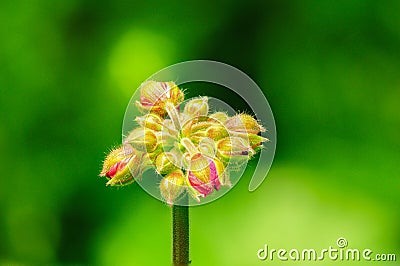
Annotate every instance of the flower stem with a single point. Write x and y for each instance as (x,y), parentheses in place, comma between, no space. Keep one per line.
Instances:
(189,146)
(173,115)
(180,232)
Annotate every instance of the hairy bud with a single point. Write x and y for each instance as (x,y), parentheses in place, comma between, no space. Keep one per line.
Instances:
(221,117)
(166,163)
(197,107)
(205,174)
(122,165)
(151,121)
(142,139)
(154,95)
(234,148)
(172,186)
(243,123)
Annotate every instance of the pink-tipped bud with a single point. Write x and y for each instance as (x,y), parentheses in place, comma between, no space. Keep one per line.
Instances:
(142,139)
(122,165)
(243,123)
(205,174)
(172,186)
(154,95)
(196,107)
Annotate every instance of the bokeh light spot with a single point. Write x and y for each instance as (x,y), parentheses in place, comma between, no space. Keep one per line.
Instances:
(136,55)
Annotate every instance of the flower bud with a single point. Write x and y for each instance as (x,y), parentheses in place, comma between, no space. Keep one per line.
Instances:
(153,155)
(154,95)
(201,126)
(207,147)
(172,186)
(119,163)
(217,132)
(192,191)
(243,123)
(221,117)
(194,125)
(168,128)
(151,121)
(184,118)
(197,107)
(255,141)
(165,163)
(205,174)
(142,139)
(197,137)
(234,148)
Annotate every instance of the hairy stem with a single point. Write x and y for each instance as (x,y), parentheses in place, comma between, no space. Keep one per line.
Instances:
(180,232)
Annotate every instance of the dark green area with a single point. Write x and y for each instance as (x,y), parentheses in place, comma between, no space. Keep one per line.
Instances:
(330,70)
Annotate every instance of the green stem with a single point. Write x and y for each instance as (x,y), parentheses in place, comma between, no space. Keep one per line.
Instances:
(180,232)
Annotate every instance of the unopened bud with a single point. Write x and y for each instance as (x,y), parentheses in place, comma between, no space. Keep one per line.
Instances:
(243,123)
(205,174)
(201,126)
(154,95)
(194,125)
(165,163)
(234,148)
(217,132)
(221,117)
(207,147)
(118,165)
(255,141)
(142,139)
(197,107)
(197,137)
(150,121)
(172,186)
(168,128)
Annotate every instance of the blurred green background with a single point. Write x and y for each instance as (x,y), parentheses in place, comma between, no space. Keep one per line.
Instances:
(330,70)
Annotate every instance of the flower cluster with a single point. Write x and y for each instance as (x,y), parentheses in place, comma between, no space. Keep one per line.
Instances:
(193,150)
